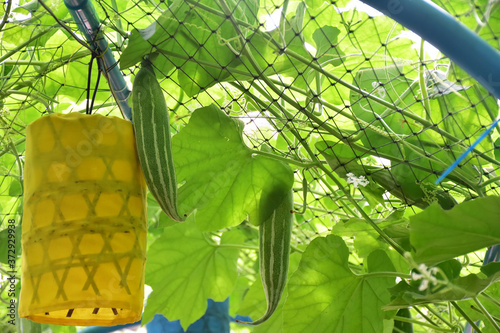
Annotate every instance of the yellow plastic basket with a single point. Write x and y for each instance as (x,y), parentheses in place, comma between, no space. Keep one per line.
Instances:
(84,222)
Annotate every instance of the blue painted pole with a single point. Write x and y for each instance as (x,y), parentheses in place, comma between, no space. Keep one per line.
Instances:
(452,38)
(85,16)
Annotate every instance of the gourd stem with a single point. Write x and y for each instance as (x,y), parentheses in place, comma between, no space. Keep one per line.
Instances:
(286,160)
(385,274)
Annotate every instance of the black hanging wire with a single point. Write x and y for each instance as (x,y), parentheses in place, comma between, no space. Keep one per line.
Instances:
(101,68)
(88,109)
(99,72)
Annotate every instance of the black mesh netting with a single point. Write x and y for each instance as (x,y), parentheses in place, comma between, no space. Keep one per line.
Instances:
(366,113)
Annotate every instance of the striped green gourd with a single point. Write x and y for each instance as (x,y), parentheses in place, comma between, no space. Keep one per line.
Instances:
(275,232)
(152,136)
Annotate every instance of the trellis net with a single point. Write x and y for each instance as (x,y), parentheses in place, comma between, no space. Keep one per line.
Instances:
(366,113)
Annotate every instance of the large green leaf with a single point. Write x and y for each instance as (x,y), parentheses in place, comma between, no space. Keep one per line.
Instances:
(223,179)
(184,269)
(439,235)
(325,296)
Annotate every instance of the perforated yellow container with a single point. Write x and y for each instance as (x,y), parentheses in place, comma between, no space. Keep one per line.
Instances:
(84,222)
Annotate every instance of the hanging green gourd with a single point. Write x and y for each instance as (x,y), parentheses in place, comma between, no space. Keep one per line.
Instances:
(152,133)
(275,231)
(84,224)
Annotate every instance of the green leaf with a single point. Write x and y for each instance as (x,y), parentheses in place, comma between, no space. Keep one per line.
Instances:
(142,41)
(497,149)
(223,179)
(137,47)
(290,37)
(450,268)
(491,268)
(327,50)
(184,268)
(388,84)
(439,235)
(15,188)
(5,241)
(325,296)
(472,110)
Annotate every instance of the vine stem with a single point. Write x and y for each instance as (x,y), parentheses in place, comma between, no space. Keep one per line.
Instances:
(6,14)
(18,160)
(286,160)
(26,43)
(119,24)
(486,314)
(33,95)
(365,216)
(49,68)
(423,86)
(18,142)
(385,274)
(490,181)
(238,246)
(437,314)
(420,323)
(466,316)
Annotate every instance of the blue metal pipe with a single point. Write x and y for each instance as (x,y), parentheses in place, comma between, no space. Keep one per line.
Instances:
(85,16)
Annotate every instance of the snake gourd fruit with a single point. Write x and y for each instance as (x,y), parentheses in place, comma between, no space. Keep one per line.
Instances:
(275,231)
(152,135)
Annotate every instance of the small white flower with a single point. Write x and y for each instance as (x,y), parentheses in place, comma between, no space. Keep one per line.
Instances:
(356,181)
(427,275)
(379,89)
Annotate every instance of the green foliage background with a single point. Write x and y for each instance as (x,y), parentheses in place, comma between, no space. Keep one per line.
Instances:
(259,91)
